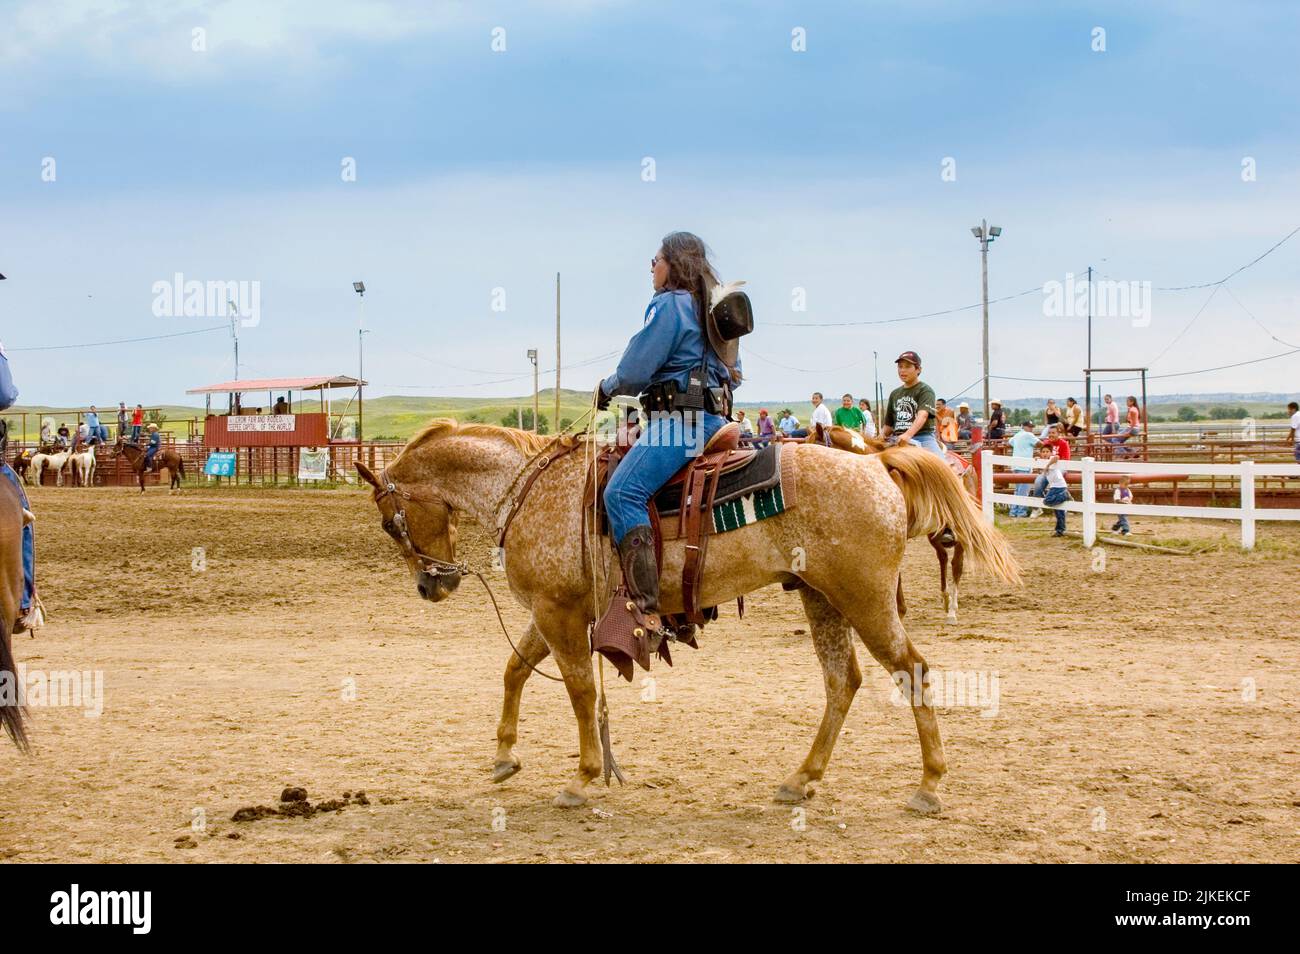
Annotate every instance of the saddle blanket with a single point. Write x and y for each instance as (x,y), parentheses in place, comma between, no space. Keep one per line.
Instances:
(760,489)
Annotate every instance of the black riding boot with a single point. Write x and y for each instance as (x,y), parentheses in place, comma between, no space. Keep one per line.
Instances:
(636,555)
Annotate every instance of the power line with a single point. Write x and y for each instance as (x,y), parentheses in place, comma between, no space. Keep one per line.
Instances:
(893,321)
(1253,262)
(1187,327)
(518,377)
(752,353)
(120,341)
(1152,377)
(1228,289)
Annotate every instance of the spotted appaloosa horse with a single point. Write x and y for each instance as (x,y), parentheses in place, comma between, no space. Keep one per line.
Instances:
(845,439)
(841,545)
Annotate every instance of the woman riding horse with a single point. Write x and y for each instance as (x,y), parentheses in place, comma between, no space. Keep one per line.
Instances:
(684,385)
(30,613)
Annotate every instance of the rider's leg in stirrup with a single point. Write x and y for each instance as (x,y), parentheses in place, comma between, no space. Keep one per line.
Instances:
(666,443)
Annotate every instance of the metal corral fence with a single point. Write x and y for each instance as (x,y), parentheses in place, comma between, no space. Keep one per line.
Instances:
(253,465)
(279,465)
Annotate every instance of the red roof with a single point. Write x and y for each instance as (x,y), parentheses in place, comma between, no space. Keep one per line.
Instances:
(279,384)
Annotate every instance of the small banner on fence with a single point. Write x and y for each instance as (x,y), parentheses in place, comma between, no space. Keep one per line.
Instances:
(220,464)
(260,422)
(313,463)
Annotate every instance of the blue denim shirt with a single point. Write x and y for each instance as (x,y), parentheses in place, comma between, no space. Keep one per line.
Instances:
(670,343)
(8,393)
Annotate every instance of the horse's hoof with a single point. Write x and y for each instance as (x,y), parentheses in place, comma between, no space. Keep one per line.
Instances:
(925,803)
(951,620)
(568,799)
(503,770)
(790,795)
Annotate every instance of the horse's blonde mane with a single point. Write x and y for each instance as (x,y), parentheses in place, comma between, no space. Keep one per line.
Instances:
(525,441)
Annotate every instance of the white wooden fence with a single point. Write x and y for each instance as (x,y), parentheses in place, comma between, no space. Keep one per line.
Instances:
(1088,468)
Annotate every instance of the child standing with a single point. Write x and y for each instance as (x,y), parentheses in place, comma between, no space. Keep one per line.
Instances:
(1057,492)
(1123,496)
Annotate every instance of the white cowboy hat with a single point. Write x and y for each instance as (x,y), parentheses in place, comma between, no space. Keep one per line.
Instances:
(993,401)
(153,427)
(967,406)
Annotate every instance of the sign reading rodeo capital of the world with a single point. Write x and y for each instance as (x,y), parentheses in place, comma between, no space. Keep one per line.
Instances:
(260,422)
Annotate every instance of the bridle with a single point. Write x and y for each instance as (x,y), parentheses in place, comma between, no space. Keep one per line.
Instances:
(434,566)
(429,564)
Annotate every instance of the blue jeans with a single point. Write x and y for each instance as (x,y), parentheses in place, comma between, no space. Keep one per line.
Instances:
(1022,490)
(928,442)
(135,433)
(29,545)
(1121,523)
(666,443)
(1054,497)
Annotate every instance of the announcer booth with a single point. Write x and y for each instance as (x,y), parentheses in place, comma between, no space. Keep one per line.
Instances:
(271,428)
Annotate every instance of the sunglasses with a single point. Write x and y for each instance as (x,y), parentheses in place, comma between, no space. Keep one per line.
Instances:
(654,262)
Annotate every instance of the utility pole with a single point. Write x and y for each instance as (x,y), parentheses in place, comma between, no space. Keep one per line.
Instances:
(532,356)
(1087,378)
(234,331)
(234,334)
(557,352)
(985,234)
(360,289)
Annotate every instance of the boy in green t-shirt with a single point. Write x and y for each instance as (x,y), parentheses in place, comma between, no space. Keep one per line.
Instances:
(847,415)
(910,412)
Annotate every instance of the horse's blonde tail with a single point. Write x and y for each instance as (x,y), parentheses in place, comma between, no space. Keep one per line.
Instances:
(936,499)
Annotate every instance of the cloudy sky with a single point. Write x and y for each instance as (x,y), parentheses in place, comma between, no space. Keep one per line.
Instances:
(835,155)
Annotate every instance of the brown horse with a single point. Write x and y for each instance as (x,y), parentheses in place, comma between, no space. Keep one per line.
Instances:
(840,545)
(166,457)
(845,439)
(22,462)
(13,517)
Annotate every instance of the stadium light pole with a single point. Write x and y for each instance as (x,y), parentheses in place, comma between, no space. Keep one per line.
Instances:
(532,356)
(360,289)
(985,234)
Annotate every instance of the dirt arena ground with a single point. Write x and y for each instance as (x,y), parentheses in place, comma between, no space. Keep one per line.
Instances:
(1144,714)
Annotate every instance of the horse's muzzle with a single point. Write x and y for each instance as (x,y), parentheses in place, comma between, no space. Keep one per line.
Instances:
(436,587)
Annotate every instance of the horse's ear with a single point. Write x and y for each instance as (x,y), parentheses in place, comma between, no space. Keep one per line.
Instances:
(366,474)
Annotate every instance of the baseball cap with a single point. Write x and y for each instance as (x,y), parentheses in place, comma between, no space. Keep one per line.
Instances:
(911,356)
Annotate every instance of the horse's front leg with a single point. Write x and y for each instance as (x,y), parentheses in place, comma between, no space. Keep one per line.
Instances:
(532,650)
(833,640)
(564,627)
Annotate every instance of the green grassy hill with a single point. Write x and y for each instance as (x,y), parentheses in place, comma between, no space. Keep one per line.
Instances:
(398,417)
(393,417)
